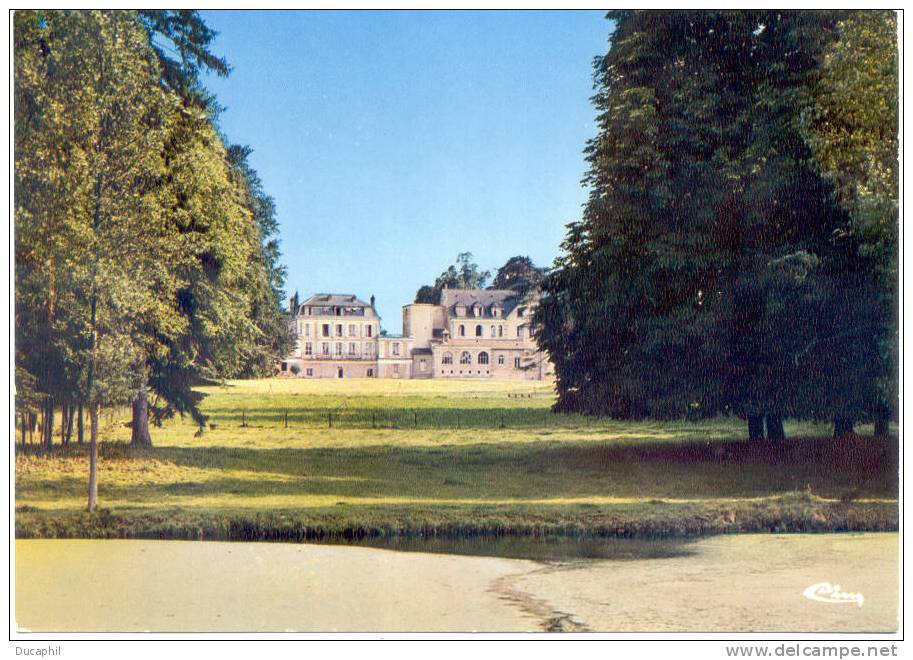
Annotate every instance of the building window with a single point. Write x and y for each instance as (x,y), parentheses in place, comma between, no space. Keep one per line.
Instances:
(285,366)
(308,348)
(307,311)
(495,311)
(501,359)
(500,331)
(396,369)
(465,358)
(521,330)
(368,349)
(479,331)
(477,310)
(483,358)
(516,363)
(326,348)
(422,365)
(307,330)
(396,348)
(370,373)
(521,312)
(339,329)
(353,331)
(493,331)
(309,372)
(460,309)
(326,330)
(353,348)
(447,358)
(462,331)
(370,330)
(339,348)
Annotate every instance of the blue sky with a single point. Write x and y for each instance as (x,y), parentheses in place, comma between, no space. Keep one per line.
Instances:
(391,141)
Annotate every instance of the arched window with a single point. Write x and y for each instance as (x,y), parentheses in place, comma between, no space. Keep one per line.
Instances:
(462,331)
(500,330)
(479,331)
(493,332)
(477,310)
(501,359)
(483,358)
(447,358)
(465,358)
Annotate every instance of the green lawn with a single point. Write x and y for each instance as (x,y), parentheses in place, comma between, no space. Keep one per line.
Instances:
(393,457)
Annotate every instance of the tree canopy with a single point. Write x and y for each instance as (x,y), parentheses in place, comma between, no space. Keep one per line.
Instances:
(146,259)
(705,276)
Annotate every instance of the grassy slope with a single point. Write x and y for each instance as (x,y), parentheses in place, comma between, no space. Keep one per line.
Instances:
(445,458)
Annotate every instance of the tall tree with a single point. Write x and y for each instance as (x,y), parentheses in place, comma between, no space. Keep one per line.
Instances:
(702,270)
(519,273)
(94,127)
(851,125)
(463,274)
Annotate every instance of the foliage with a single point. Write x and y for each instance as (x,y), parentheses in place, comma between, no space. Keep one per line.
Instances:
(703,277)
(428,295)
(183,33)
(266,276)
(851,125)
(463,274)
(518,273)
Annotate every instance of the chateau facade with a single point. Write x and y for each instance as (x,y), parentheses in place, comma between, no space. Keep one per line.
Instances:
(472,333)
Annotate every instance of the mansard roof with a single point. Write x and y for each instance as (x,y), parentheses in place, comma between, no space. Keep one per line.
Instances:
(506,298)
(335,299)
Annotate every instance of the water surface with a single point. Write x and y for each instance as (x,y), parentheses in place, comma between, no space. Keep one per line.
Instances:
(743,583)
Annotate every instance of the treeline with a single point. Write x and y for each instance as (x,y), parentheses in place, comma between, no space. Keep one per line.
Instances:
(518,274)
(738,251)
(145,253)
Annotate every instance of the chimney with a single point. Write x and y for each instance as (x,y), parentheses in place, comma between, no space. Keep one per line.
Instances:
(372,301)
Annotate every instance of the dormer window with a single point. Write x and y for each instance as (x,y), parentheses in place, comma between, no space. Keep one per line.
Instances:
(496,311)
(460,309)
(477,310)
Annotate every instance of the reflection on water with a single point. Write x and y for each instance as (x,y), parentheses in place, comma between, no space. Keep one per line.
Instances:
(538,548)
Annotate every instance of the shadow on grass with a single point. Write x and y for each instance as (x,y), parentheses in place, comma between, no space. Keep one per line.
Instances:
(849,468)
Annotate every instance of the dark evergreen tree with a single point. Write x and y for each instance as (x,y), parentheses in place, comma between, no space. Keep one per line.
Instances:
(703,277)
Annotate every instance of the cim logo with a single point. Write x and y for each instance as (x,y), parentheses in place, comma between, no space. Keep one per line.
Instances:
(825,592)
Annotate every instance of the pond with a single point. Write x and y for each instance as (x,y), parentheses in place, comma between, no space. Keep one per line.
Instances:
(745,583)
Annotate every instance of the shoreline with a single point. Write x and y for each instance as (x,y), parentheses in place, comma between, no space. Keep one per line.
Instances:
(790,513)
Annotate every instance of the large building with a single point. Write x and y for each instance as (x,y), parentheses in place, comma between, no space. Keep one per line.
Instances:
(472,333)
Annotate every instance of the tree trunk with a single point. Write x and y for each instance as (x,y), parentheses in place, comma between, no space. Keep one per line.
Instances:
(64,408)
(93,457)
(882,425)
(755,427)
(140,436)
(71,411)
(79,426)
(775,428)
(33,422)
(843,425)
(25,416)
(48,429)
(882,418)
